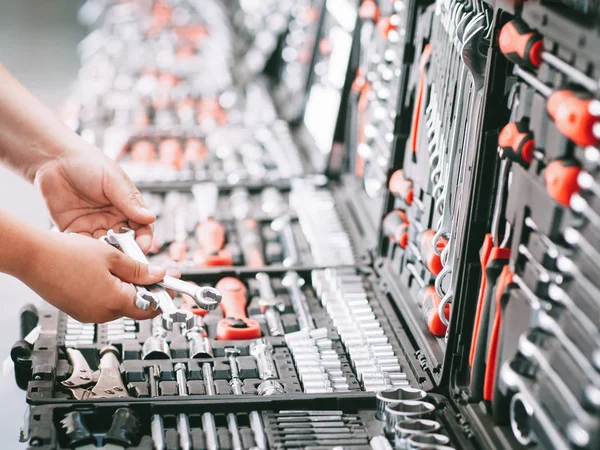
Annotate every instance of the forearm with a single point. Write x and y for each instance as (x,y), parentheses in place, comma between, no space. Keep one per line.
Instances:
(30,133)
(21,243)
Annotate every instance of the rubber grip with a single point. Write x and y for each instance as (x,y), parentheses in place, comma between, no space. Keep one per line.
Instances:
(429,311)
(236,325)
(401,187)
(395,227)
(561,180)
(497,260)
(520,44)
(484,256)
(504,281)
(223,258)
(178,250)
(425,56)
(516,142)
(28,319)
(573,117)
(125,428)
(210,235)
(195,150)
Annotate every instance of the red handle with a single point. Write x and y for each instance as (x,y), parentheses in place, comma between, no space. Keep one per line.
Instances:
(484,257)
(143,151)
(516,142)
(395,227)
(429,309)
(236,325)
(521,45)
(401,187)
(195,150)
(178,250)
(430,258)
(425,56)
(561,180)
(210,235)
(171,153)
(574,116)
(369,10)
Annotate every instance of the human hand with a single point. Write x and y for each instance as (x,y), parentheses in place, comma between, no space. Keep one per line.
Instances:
(88,279)
(88,193)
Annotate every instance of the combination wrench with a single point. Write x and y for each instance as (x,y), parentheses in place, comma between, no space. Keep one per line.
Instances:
(207,298)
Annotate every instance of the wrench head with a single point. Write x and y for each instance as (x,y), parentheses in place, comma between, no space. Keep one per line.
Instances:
(113,237)
(145,300)
(186,318)
(207,298)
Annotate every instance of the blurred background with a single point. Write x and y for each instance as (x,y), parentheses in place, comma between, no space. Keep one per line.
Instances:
(38,46)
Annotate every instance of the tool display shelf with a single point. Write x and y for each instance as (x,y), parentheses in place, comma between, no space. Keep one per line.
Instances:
(269,217)
(47,431)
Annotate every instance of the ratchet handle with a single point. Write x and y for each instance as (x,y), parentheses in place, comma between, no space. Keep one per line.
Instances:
(236,325)
(125,428)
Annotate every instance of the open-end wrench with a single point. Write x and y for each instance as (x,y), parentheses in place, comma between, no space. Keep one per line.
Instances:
(206,297)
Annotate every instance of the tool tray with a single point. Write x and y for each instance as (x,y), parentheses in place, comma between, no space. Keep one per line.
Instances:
(439,365)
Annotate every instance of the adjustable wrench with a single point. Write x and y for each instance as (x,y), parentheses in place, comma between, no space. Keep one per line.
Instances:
(206,297)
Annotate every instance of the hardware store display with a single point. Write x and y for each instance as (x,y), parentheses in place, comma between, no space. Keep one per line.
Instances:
(389,213)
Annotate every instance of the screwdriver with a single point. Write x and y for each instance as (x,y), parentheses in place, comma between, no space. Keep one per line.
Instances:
(395,227)
(171,153)
(143,151)
(516,143)
(401,187)
(576,115)
(525,47)
(236,325)
(429,302)
(429,257)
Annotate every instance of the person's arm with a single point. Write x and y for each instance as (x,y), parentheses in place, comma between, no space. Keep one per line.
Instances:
(85,191)
(86,278)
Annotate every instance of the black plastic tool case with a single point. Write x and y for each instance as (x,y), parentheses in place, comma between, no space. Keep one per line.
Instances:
(438,365)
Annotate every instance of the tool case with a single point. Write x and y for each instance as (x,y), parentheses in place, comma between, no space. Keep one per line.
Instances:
(430,127)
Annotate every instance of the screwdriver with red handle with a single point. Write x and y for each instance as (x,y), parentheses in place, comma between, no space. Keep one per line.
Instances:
(516,142)
(236,325)
(575,114)
(429,302)
(401,187)
(525,47)
(430,258)
(395,227)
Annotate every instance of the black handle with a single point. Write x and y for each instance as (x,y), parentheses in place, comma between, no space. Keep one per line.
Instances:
(125,428)
(28,318)
(76,431)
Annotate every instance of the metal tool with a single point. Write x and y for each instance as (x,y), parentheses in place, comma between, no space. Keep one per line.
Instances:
(283,225)
(406,409)
(263,353)
(417,441)
(391,396)
(294,283)
(183,424)
(408,428)
(206,298)
(156,345)
(271,306)
(157,427)
(380,443)
(236,386)
(105,383)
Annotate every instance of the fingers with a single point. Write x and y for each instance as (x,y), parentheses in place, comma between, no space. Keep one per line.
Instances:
(143,236)
(128,306)
(121,192)
(132,271)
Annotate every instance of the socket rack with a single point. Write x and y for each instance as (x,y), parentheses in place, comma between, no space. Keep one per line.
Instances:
(460,146)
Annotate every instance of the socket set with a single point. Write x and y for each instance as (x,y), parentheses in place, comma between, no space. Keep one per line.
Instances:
(393,205)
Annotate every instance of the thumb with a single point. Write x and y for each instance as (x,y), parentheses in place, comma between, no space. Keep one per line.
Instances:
(122,193)
(132,271)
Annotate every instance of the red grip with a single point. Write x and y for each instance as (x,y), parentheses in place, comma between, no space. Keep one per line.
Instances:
(401,187)
(236,325)
(171,153)
(573,116)
(516,142)
(490,374)
(561,180)
(195,150)
(387,24)
(395,227)
(178,250)
(484,257)
(429,309)
(431,259)
(521,45)
(210,234)
(369,10)
(143,151)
